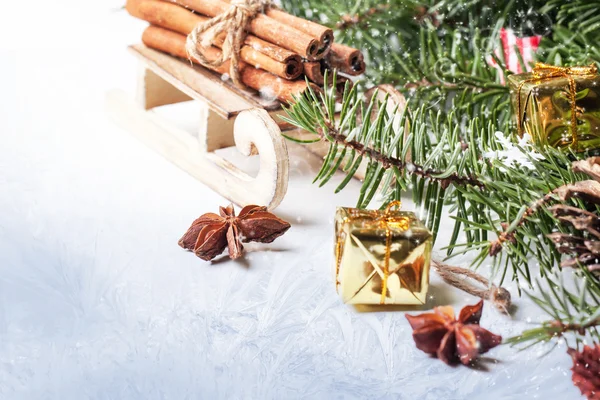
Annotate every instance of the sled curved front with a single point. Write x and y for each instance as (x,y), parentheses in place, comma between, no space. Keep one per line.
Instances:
(227,118)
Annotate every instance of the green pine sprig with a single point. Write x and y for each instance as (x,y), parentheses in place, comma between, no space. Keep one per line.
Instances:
(452,146)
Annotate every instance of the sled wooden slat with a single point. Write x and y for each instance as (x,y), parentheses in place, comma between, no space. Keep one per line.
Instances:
(199,84)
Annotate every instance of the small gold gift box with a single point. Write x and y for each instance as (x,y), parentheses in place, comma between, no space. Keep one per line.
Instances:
(558,106)
(381,257)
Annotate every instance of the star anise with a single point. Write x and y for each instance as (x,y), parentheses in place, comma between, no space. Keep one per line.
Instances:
(210,234)
(586,371)
(451,340)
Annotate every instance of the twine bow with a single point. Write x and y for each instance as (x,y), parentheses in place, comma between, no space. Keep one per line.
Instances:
(543,72)
(499,296)
(234,22)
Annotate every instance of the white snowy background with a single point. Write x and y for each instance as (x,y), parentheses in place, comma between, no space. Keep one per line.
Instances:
(97,301)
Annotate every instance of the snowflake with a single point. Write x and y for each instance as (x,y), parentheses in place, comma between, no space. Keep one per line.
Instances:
(518,155)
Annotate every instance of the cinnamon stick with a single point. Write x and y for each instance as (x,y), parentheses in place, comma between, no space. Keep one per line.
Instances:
(277,53)
(346,59)
(322,33)
(258,79)
(341,85)
(178,19)
(133,7)
(262,26)
(315,70)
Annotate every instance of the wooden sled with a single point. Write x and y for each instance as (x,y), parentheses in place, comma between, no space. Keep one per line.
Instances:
(228,117)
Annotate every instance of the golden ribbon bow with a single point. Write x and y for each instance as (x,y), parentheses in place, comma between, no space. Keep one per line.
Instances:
(543,72)
(233,22)
(385,220)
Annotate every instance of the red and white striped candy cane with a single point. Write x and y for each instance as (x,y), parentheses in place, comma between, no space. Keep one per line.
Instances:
(527,46)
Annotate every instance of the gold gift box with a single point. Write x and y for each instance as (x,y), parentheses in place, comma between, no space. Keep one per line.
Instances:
(381,257)
(544,106)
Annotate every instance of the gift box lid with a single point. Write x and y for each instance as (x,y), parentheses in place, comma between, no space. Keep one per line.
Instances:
(376,222)
(529,81)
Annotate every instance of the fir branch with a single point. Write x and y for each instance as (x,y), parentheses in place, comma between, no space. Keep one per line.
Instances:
(553,330)
(572,312)
(577,15)
(444,163)
(387,162)
(589,191)
(509,235)
(559,328)
(440,60)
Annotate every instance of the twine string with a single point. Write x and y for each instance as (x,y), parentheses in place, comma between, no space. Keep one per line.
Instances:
(234,22)
(499,296)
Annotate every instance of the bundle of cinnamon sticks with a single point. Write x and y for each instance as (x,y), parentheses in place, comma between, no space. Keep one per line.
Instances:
(279,51)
